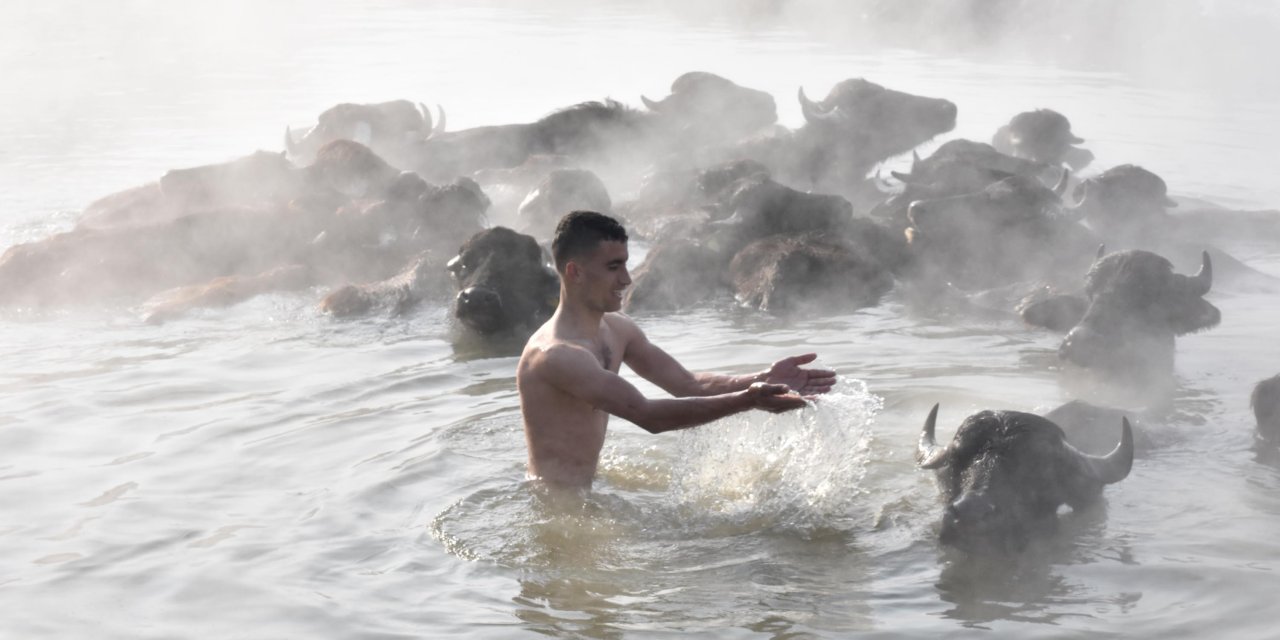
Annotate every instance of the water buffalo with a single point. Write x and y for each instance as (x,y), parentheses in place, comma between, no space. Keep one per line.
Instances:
(258,179)
(563,190)
(1136,306)
(858,124)
(803,272)
(1265,401)
(677,273)
(705,109)
(391,129)
(1013,230)
(1125,203)
(504,284)
(1043,135)
(355,218)
(1006,473)
(587,133)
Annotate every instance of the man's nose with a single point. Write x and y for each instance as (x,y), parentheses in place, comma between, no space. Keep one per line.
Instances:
(626,277)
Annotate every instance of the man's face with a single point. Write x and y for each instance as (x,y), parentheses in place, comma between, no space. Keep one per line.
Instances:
(603,276)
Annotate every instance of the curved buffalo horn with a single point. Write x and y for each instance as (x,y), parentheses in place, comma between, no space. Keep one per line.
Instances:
(1203,279)
(1102,251)
(1078,207)
(905,178)
(915,161)
(1114,466)
(650,104)
(883,185)
(290,145)
(928,454)
(439,128)
(1061,187)
(426,115)
(812,111)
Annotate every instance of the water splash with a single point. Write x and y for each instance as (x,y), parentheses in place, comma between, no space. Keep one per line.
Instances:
(800,470)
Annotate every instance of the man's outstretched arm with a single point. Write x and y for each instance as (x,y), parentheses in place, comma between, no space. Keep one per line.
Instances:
(577,372)
(657,366)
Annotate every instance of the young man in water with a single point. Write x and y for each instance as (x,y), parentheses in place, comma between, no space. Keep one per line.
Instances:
(568,374)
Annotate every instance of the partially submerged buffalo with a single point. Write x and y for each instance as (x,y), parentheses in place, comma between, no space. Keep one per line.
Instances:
(1265,401)
(1005,474)
(790,273)
(392,129)
(1042,135)
(1137,305)
(858,124)
(504,284)
(259,179)
(1013,230)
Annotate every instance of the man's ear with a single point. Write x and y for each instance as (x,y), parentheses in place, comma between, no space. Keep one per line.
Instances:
(572,272)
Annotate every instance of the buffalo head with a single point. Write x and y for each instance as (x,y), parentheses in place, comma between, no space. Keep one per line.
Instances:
(504,284)
(1006,473)
(387,127)
(1265,401)
(861,123)
(1043,135)
(1137,305)
(1125,202)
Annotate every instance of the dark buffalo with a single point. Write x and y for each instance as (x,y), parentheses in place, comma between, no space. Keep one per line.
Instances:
(1043,135)
(392,129)
(1265,401)
(258,179)
(677,273)
(1013,230)
(504,284)
(790,273)
(958,167)
(1137,305)
(1006,473)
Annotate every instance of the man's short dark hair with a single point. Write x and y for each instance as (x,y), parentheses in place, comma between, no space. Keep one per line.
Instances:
(578,233)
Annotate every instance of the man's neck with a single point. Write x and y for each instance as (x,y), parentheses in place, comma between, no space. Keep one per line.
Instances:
(576,321)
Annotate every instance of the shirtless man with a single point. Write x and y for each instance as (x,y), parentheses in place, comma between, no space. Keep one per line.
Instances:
(568,374)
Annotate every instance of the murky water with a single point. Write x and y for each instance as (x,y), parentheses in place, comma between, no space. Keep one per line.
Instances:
(262,471)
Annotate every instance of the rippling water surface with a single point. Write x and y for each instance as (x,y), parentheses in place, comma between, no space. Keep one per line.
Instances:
(263,471)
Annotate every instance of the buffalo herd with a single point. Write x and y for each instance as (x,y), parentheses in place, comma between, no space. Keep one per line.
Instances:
(380,207)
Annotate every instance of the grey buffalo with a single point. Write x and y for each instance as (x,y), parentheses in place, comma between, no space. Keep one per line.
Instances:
(1137,305)
(1265,401)
(1042,135)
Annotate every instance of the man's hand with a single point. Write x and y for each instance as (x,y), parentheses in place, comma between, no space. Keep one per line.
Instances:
(774,398)
(805,382)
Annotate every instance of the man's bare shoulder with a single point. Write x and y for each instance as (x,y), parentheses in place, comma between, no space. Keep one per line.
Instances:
(623,326)
(546,354)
